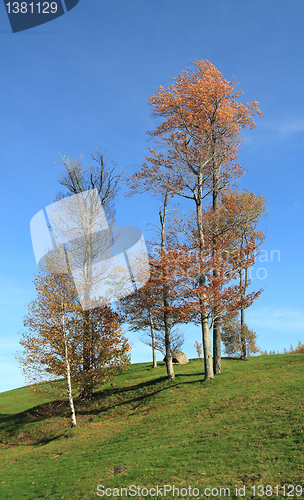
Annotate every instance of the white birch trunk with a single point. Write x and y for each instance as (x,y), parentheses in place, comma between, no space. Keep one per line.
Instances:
(68,371)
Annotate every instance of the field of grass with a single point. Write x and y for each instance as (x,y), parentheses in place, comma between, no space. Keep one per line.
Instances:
(240,430)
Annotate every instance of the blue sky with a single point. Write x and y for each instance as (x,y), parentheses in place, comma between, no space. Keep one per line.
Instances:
(83,81)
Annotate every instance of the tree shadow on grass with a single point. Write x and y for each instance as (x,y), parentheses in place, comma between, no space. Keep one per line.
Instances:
(14,426)
(102,402)
(133,394)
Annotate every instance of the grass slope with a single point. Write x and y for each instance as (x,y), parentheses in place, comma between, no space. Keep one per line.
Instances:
(243,428)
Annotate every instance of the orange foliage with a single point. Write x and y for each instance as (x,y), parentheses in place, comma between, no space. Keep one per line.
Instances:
(201,125)
(299,349)
(43,355)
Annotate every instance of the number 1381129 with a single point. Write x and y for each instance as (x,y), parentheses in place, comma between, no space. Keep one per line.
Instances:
(37,8)
(268,491)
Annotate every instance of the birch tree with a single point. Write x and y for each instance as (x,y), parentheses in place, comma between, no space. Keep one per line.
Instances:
(101,175)
(52,341)
(50,323)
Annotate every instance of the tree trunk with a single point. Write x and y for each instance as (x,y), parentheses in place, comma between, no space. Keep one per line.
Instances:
(153,340)
(69,385)
(207,347)
(202,300)
(87,337)
(68,373)
(243,338)
(86,392)
(217,359)
(168,357)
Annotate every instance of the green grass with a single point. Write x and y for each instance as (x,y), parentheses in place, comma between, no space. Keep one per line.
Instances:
(245,427)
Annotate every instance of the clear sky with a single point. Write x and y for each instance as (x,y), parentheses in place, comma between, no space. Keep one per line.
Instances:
(83,81)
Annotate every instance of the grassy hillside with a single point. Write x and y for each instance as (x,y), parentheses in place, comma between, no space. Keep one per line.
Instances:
(243,428)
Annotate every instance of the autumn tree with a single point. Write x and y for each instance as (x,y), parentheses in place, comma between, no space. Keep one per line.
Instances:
(143,311)
(50,319)
(164,283)
(299,349)
(52,343)
(177,340)
(109,348)
(138,310)
(101,176)
(243,211)
(198,348)
(200,125)
(235,336)
(160,261)
(222,291)
(156,307)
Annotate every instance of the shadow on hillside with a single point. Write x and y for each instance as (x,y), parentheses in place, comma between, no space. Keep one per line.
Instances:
(156,386)
(103,401)
(11,425)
